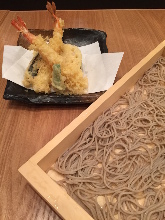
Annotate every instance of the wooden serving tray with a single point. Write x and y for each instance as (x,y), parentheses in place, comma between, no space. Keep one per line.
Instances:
(34,170)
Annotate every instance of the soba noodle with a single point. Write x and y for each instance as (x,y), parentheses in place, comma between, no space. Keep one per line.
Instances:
(116,169)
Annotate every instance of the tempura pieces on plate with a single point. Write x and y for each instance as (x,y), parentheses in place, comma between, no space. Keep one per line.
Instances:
(56,66)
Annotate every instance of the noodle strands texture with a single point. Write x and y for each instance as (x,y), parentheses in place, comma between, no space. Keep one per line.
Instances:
(117,166)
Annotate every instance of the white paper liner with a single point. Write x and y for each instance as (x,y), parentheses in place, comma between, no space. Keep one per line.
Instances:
(101,69)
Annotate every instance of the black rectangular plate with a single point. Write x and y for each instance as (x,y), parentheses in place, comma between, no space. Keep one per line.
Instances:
(75,36)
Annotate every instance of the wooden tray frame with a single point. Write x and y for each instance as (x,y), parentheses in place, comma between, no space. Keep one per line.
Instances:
(34,169)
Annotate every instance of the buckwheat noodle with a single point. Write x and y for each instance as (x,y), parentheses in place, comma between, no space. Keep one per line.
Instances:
(116,169)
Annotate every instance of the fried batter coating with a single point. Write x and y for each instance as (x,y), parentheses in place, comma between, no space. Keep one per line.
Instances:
(46,52)
(42,81)
(59,66)
(76,82)
(71,54)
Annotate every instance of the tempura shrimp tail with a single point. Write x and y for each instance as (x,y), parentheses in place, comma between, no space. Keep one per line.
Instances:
(38,43)
(20,25)
(58,22)
(56,41)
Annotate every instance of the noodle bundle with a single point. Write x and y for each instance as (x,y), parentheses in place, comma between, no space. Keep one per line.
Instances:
(116,169)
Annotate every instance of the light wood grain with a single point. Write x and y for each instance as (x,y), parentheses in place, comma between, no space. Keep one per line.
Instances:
(26,129)
(3,14)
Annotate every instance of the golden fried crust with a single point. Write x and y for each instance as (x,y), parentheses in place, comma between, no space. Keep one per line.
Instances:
(69,58)
(72,54)
(47,53)
(41,82)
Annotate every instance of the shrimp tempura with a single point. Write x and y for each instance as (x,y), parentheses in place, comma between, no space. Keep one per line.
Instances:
(39,44)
